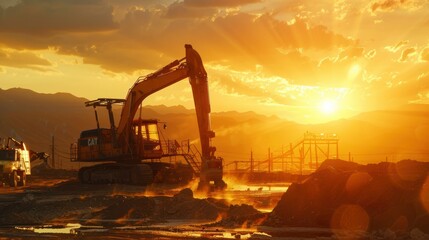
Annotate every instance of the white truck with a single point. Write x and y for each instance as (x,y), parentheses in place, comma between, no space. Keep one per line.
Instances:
(14,163)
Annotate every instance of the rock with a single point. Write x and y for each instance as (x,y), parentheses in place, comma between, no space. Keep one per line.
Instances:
(389,235)
(28,198)
(184,195)
(417,234)
(259,235)
(242,210)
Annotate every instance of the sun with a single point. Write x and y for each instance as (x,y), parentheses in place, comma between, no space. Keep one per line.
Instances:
(328,107)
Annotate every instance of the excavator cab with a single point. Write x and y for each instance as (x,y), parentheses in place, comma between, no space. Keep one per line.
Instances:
(146,138)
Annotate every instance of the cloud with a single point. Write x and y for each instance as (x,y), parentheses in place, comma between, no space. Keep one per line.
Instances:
(371,54)
(423,91)
(242,40)
(51,16)
(279,47)
(406,53)
(253,84)
(9,3)
(396,47)
(386,5)
(291,67)
(393,88)
(20,59)
(391,5)
(409,89)
(218,3)
(352,52)
(340,70)
(424,55)
(151,37)
(181,10)
(275,38)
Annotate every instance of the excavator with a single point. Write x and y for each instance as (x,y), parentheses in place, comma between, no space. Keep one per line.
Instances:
(130,152)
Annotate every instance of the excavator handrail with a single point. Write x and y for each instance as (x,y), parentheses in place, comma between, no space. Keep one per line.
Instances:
(103,102)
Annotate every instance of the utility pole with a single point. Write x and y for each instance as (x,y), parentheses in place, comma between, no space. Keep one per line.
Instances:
(291,156)
(301,159)
(53,152)
(283,159)
(269,160)
(315,151)
(251,161)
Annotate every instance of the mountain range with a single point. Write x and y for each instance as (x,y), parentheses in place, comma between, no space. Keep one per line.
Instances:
(43,119)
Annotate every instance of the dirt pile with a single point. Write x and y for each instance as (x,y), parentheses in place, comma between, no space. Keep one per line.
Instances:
(39,208)
(43,169)
(240,216)
(348,196)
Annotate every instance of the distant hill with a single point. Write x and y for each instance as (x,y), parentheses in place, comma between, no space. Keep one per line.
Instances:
(162,109)
(35,118)
(369,137)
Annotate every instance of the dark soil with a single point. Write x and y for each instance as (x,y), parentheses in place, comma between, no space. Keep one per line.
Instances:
(55,207)
(349,196)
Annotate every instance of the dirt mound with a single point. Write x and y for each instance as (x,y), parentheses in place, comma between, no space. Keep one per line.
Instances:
(349,196)
(338,164)
(43,169)
(240,216)
(40,208)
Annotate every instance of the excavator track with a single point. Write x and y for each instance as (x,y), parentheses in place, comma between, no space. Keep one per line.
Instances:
(171,173)
(110,173)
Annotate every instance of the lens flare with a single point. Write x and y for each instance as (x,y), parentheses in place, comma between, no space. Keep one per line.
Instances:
(349,217)
(354,71)
(424,195)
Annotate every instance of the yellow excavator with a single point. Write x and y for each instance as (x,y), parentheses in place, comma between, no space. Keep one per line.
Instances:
(131,152)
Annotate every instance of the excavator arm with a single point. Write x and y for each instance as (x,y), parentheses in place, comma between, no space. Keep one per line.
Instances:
(143,88)
(190,66)
(200,91)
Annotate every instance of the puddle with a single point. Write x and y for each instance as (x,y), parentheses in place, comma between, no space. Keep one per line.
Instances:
(169,230)
(259,188)
(69,228)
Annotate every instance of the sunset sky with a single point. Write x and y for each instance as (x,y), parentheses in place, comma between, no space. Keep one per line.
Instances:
(305,61)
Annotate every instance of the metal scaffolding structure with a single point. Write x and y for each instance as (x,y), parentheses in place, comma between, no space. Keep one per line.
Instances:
(305,155)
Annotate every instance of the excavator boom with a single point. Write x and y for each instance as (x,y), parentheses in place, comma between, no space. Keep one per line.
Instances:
(143,88)
(190,66)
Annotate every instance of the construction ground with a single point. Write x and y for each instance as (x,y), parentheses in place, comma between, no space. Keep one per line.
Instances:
(341,200)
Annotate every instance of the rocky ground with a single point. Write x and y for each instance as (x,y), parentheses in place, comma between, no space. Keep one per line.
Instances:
(341,200)
(58,199)
(119,210)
